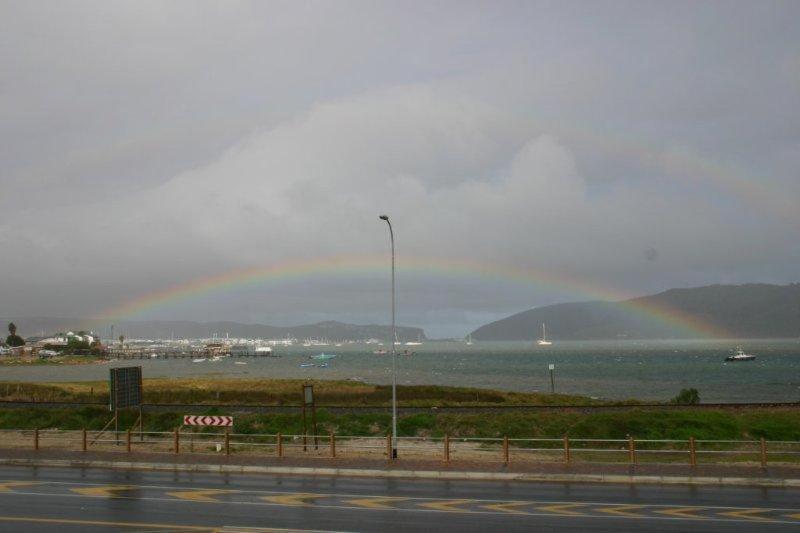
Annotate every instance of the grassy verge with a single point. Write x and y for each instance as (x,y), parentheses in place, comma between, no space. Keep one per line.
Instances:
(288,392)
(651,424)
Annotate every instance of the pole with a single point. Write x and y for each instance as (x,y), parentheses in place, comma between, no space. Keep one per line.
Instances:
(394,355)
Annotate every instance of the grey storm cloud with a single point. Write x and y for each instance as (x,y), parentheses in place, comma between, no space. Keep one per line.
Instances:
(146,144)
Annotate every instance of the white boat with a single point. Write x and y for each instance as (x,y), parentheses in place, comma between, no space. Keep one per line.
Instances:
(201,360)
(323,356)
(469,340)
(417,342)
(739,355)
(239,363)
(543,341)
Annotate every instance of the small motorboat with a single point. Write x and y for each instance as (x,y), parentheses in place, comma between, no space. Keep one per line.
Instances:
(323,356)
(200,360)
(740,355)
(306,365)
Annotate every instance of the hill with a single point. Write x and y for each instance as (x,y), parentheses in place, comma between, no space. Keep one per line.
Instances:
(331,330)
(738,311)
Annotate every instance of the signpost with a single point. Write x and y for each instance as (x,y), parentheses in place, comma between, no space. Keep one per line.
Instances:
(552,368)
(224,421)
(308,402)
(125,391)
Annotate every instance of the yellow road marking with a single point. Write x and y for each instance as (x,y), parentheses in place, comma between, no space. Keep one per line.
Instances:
(749,514)
(107,491)
(6,486)
(684,512)
(620,510)
(507,507)
(376,502)
(203,495)
(794,516)
(562,508)
(446,505)
(294,499)
(103,523)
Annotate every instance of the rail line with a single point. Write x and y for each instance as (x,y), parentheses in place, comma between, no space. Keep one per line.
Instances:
(250,408)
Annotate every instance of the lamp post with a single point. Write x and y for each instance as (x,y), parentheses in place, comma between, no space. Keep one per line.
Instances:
(393,339)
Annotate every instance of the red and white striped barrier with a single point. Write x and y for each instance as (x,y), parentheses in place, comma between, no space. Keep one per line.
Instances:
(190,420)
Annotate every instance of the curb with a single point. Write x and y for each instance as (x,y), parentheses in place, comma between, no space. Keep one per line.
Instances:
(414,474)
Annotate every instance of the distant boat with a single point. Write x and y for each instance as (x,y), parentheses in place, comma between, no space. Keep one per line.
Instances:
(543,341)
(239,363)
(201,360)
(306,365)
(323,356)
(380,352)
(469,340)
(739,355)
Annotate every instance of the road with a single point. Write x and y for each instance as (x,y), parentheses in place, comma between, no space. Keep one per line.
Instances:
(50,499)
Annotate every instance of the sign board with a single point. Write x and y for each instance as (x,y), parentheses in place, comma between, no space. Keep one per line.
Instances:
(190,420)
(308,394)
(126,387)
(551,366)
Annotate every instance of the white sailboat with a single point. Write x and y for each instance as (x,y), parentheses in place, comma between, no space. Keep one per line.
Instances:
(543,341)
(469,340)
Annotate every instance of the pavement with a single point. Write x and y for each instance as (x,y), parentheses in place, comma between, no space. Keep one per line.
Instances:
(703,474)
(80,499)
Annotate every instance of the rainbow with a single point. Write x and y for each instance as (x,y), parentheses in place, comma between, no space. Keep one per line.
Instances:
(359,266)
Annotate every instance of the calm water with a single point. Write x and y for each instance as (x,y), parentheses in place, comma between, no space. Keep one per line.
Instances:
(654,370)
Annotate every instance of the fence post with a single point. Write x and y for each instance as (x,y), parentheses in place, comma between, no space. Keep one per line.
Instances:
(447,448)
(763,453)
(227,441)
(566,449)
(632,449)
(128,440)
(692,452)
(36,439)
(177,445)
(280,445)
(505,449)
(84,443)
(333,445)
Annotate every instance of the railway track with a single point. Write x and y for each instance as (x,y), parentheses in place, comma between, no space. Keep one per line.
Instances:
(275,409)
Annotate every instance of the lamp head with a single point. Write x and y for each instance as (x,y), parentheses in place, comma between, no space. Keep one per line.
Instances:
(384,217)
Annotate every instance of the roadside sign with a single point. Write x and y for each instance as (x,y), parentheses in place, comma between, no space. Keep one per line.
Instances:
(126,387)
(191,420)
(308,394)
(551,366)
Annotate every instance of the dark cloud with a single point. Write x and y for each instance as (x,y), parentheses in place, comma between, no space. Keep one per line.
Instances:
(150,144)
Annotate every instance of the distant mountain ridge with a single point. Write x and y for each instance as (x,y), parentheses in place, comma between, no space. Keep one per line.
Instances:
(157,329)
(753,310)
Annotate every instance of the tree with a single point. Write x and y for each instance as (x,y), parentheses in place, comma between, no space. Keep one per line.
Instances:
(121,340)
(13,339)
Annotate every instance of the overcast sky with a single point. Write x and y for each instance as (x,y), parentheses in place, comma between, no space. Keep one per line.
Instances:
(635,146)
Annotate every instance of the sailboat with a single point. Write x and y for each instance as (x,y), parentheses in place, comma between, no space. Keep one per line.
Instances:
(469,340)
(543,341)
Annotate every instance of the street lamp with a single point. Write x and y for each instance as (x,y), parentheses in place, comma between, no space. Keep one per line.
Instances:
(394,338)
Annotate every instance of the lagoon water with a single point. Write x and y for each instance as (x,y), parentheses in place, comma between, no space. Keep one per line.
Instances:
(650,370)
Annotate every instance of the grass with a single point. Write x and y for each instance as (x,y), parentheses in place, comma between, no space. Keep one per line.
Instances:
(651,424)
(288,392)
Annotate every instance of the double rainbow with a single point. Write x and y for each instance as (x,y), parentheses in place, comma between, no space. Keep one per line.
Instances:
(350,267)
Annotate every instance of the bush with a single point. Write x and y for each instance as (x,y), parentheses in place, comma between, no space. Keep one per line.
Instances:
(686,397)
